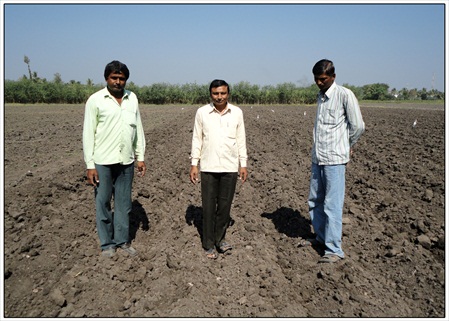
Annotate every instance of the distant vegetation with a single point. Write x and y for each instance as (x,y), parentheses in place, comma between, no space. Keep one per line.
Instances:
(33,89)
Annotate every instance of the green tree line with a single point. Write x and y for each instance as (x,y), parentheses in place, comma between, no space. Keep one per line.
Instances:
(36,90)
(31,91)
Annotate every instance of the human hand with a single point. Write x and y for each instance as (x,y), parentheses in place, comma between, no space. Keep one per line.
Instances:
(141,169)
(243,175)
(92,177)
(193,174)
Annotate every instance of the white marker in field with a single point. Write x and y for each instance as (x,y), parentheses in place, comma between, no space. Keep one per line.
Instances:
(414,123)
(305,113)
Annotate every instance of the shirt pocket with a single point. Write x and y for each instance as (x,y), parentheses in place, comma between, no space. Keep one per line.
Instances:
(231,139)
(330,117)
(231,130)
(129,117)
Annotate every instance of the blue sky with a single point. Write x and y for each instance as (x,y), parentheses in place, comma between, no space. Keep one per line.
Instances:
(402,45)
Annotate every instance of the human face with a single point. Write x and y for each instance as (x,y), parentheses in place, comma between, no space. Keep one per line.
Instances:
(324,81)
(219,97)
(116,83)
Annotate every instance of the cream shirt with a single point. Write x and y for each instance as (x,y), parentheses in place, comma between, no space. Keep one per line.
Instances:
(219,140)
(112,133)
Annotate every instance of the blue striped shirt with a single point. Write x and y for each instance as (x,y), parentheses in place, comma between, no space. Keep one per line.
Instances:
(338,126)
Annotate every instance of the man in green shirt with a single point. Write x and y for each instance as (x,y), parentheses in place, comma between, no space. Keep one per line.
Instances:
(113,139)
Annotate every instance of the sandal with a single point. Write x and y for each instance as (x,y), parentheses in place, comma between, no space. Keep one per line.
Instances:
(224,247)
(211,254)
(330,258)
(308,242)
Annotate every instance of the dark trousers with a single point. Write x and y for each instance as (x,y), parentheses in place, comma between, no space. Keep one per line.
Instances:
(217,192)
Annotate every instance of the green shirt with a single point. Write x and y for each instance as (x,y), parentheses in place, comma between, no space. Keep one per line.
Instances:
(112,133)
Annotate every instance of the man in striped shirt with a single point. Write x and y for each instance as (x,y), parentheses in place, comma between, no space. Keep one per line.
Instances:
(338,126)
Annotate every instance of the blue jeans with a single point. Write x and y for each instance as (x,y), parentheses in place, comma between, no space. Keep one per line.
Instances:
(113,230)
(326,198)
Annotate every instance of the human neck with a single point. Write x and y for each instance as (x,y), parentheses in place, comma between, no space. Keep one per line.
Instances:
(221,108)
(117,94)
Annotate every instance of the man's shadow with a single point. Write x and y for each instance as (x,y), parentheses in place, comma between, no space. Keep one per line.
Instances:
(137,218)
(194,216)
(291,223)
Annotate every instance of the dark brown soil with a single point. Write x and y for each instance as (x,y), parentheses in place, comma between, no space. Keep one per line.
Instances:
(394,232)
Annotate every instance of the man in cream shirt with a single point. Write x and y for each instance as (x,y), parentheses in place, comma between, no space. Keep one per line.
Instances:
(219,149)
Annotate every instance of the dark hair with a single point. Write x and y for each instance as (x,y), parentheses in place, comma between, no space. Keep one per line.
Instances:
(116,67)
(218,83)
(324,66)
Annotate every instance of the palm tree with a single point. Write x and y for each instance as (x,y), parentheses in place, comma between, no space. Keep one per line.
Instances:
(27,61)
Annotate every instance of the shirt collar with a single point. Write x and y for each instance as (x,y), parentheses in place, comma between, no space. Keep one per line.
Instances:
(228,109)
(329,91)
(108,94)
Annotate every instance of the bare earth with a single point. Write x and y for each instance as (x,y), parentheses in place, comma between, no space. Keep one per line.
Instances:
(393,233)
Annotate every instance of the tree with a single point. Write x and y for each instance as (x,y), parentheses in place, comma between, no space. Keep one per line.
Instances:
(358,91)
(376,92)
(309,95)
(27,61)
(423,94)
(245,93)
(404,93)
(413,93)
(57,79)
(285,92)
(39,90)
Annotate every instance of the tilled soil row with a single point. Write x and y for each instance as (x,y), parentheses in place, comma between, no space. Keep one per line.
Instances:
(393,232)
